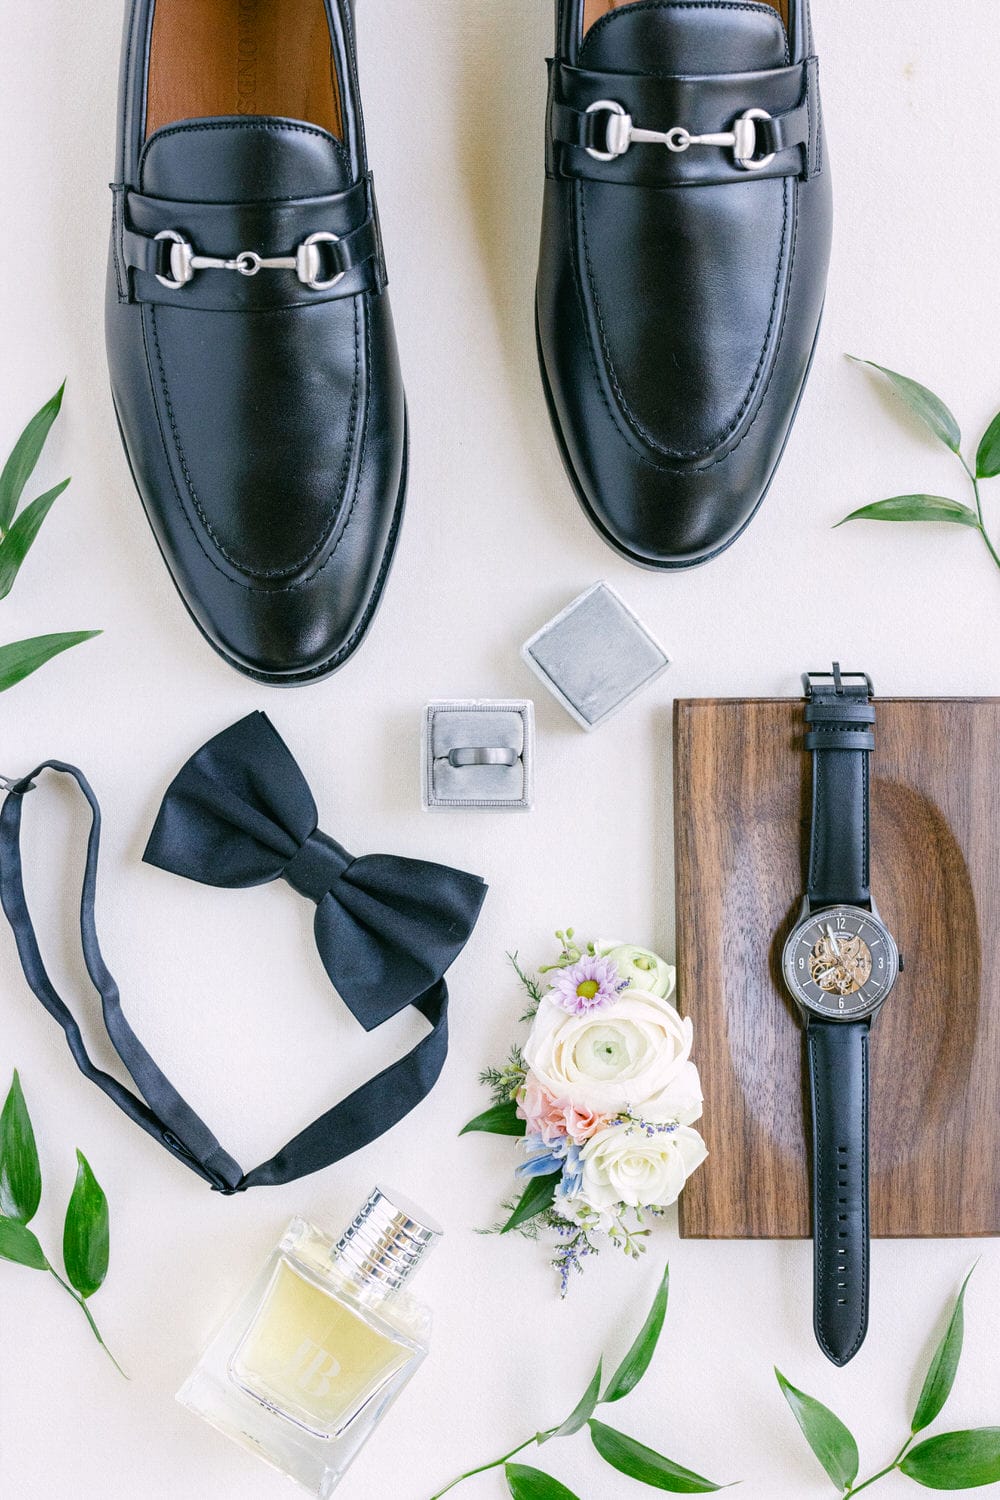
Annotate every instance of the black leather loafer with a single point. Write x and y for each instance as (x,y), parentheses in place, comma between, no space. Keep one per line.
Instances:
(684,252)
(252,354)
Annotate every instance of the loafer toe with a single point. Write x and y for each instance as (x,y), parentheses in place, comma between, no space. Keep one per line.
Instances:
(293,628)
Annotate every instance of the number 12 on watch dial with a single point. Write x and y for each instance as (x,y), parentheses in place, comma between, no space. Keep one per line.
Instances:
(840,962)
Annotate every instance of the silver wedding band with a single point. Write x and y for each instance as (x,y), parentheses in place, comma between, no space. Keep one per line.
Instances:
(482,756)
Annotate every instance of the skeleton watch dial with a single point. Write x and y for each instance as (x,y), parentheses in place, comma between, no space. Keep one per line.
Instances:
(840,962)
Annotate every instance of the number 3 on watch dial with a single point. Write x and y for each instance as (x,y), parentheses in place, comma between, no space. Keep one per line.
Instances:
(840,962)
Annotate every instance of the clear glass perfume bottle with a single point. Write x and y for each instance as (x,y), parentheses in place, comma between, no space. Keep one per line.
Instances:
(307,1364)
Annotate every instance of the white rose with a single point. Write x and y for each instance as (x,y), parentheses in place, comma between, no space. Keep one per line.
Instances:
(615,1060)
(646,970)
(681,1100)
(579,1211)
(624,1164)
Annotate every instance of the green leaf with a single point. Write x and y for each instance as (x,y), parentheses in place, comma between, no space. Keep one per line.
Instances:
(17,1243)
(15,545)
(915,508)
(20,1174)
(538,1196)
(19,659)
(631,1458)
(923,403)
(825,1433)
(956,1460)
(502,1119)
(941,1374)
(525,1483)
(636,1362)
(582,1412)
(85,1235)
(988,457)
(24,456)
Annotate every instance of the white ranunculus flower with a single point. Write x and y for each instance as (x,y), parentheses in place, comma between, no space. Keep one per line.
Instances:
(645,970)
(626,1165)
(615,1060)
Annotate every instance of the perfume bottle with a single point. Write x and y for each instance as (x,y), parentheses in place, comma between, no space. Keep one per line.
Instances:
(308,1363)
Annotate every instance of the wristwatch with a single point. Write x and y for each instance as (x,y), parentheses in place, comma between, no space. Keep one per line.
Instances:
(839,963)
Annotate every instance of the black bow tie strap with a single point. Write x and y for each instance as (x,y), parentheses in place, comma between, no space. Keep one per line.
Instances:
(241,814)
(160,1111)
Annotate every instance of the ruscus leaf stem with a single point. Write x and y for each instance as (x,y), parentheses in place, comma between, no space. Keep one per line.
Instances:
(90,1319)
(856,1489)
(495,1464)
(979,511)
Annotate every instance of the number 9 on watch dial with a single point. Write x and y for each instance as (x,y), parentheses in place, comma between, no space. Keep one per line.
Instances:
(840,962)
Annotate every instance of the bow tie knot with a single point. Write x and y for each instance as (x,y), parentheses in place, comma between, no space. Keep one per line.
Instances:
(240,813)
(318,865)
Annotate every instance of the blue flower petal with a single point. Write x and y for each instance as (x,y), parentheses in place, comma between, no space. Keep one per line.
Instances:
(539,1166)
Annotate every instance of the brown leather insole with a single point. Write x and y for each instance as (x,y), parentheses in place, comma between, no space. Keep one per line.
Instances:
(593,10)
(242,57)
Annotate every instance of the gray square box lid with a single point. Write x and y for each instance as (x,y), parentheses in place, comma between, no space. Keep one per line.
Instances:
(595,655)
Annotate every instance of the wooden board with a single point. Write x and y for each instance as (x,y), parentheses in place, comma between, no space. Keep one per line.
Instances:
(741,788)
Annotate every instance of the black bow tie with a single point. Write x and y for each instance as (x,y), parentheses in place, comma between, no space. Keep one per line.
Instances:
(240,813)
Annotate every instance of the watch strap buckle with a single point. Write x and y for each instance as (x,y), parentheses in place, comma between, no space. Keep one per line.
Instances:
(836,676)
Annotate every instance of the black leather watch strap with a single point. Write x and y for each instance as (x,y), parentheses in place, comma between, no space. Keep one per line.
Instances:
(838,1079)
(840,718)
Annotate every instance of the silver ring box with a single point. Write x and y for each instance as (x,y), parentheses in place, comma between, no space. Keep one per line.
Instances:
(595,656)
(478,753)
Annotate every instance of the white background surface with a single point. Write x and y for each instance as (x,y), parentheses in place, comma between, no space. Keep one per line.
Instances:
(225,987)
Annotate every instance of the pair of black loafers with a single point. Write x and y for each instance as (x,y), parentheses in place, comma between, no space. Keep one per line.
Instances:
(253,361)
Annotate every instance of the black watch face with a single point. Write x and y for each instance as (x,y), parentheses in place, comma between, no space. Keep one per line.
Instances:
(840,963)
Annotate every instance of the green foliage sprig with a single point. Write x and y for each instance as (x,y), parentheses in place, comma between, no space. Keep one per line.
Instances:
(951,1461)
(532,987)
(936,417)
(86,1237)
(617,1449)
(18,530)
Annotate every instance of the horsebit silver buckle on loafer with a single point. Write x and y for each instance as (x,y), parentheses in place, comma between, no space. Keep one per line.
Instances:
(622,132)
(304,261)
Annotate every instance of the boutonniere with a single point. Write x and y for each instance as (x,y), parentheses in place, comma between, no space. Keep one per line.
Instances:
(604,1095)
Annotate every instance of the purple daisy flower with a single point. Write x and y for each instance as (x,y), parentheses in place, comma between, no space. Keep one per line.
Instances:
(590,984)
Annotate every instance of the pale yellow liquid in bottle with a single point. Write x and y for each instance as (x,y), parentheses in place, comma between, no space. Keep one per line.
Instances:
(312,1357)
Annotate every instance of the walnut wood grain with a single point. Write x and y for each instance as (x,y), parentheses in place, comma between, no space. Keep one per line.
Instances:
(741,789)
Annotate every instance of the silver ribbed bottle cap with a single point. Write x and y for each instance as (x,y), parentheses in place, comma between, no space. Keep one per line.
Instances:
(386,1240)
